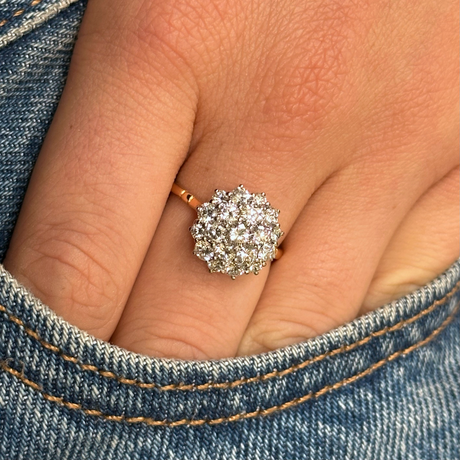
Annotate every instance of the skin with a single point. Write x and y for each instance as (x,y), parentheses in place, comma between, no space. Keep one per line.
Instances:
(344,113)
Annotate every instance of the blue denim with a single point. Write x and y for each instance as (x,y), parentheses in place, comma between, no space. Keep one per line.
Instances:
(384,386)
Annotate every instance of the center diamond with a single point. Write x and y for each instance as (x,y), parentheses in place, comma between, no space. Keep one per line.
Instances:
(236,232)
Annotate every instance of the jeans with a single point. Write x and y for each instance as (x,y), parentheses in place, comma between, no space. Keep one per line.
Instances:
(384,386)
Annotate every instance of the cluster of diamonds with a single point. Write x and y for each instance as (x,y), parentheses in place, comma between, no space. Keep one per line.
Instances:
(236,232)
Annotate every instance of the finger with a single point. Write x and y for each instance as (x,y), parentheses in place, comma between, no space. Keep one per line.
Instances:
(425,244)
(330,256)
(258,131)
(117,140)
(177,308)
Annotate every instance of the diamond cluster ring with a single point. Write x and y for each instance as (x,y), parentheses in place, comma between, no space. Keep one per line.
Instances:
(235,232)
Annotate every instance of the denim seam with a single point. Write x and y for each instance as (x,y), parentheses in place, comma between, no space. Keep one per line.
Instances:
(235,383)
(19,12)
(242,415)
(29,23)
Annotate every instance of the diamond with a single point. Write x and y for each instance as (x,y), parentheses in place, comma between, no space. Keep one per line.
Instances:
(236,232)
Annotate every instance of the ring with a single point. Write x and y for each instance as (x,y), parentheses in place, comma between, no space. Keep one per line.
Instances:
(235,232)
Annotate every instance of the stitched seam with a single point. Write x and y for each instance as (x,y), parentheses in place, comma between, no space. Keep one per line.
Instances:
(241,381)
(242,415)
(19,12)
(227,385)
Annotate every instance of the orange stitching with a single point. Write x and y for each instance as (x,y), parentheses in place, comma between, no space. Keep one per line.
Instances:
(245,380)
(241,381)
(19,12)
(242,415)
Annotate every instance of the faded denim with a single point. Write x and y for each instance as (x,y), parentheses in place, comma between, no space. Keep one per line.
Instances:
(384,386)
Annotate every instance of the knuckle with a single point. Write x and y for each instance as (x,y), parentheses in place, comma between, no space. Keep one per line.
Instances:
(298,310)
(179,34)
(70,271)
(189,28)
(302,94)
(288,326)
(306,70)
(168,344)
(142,45)
(414,92)
(268,336)
(184,325)
(166,24)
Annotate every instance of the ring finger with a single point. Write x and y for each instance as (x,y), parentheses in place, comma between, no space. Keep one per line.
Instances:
(177,308)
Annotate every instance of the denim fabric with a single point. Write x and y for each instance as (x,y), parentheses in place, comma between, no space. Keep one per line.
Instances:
(384,386)
(32,75)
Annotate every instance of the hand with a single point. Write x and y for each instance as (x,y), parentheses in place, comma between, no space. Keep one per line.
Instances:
(344,113)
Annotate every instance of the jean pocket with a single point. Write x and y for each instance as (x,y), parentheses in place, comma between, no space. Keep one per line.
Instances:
(386,385)
(393,373)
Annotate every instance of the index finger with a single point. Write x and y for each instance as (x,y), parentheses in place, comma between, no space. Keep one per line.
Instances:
(119,135)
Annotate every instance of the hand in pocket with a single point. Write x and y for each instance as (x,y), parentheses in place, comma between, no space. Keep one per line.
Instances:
(344,113)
